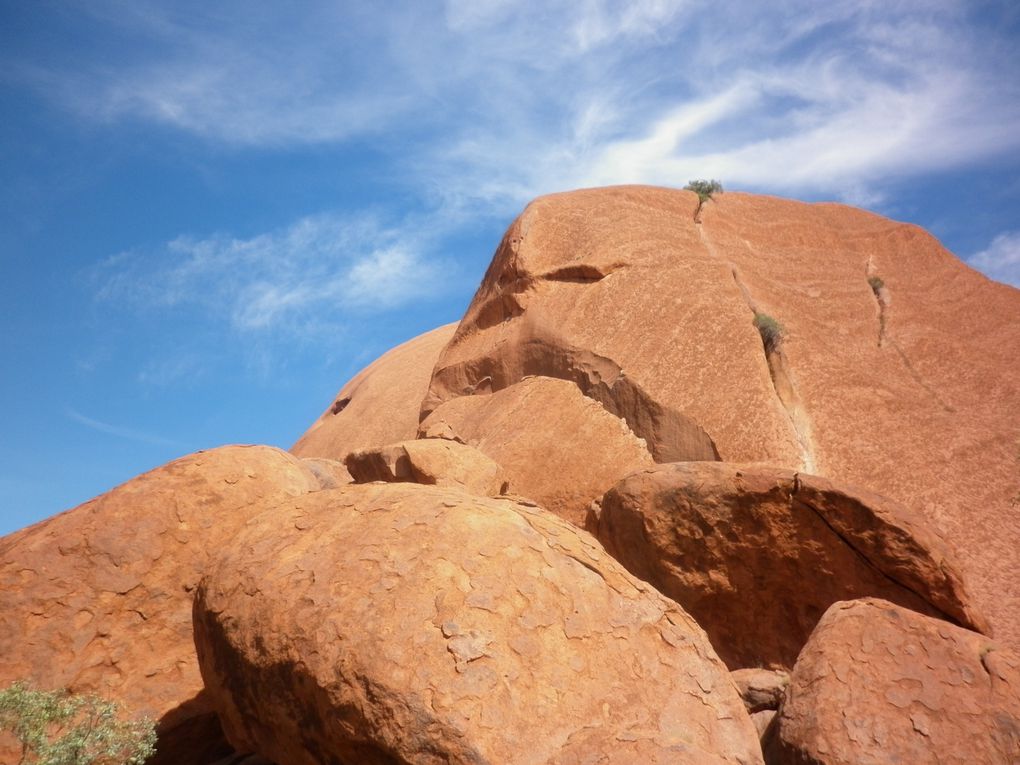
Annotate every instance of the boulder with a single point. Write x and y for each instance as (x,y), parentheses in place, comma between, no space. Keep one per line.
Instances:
(910,392)
(877,683)
(380,404)
(98,599)
(757,554)
(457,629)
(759,688)
(431,461)
(557,446)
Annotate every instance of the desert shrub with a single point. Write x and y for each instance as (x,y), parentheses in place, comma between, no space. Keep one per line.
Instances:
(704,189)
(876,283)
(771,331)
(60,728)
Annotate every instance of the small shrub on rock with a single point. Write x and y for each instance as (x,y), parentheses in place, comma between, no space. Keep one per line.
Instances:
(704,189)
(771,331)
(60,728)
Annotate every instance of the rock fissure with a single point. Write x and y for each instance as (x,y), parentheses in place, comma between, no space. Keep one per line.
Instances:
(918,378)
(780,374)
(849,542)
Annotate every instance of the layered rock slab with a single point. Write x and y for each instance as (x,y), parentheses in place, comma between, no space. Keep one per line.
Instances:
(380,404)
(459,629)
(877,683)
(557,446)
(757,554)
(98,599)
(431,462)
(911,393)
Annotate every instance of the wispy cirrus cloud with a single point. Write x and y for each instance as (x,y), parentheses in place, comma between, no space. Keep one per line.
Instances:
(491,102)
(130,434)
(305,278)
(1001,259)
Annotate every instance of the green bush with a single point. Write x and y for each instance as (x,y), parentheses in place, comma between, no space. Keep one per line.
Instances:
(704,189)
(60,728)
(876,283)
(771,331)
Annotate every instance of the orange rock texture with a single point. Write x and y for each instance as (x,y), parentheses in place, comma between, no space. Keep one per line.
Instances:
(910,393)
(878,683)
(458,630)
(758,554)
(380,405)
(432,462)
(522,428)
(98,599)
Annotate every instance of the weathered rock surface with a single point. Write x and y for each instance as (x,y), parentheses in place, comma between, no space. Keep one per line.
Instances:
(329,472)
(458,629)
(621,292)
(759,688)
(559,447)
(878,684)
(757,554)
(380,404)
(432,462)
(98,599)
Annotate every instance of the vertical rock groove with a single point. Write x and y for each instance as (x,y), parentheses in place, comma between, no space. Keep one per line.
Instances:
(783,382)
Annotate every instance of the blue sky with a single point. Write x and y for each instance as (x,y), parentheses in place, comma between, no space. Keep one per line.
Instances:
(213,214)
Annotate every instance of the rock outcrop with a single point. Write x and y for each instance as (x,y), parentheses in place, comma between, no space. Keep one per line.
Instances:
(910,394)
(431,462)
(380,404)
(757,554)
(877,683)
(674,375)
(557,446)
(98,599)
(458,629)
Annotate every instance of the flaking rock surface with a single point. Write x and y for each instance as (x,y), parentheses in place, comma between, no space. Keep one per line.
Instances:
(558,447)
(879,684)
(757,554)
(380,404)
(908,389)
(98,599)
(458,629)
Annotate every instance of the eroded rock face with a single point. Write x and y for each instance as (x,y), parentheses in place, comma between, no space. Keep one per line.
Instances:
(757,554)
(759,688)
(432,462)
(458,629)
(559,447)
(877,683)
(910,392)
(98,599)
(380,404)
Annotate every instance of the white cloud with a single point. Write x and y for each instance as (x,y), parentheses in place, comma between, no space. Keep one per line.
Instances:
(118,431)
(1001,259)
(305,279)
(476,106)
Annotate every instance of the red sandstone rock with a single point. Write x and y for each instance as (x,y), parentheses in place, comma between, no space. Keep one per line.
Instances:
(757,554)
(879,684)
(380,404)
(558,447)
(98,599)
(329,472)
(430,461)
(456,629)
(621,292)
(759,688)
